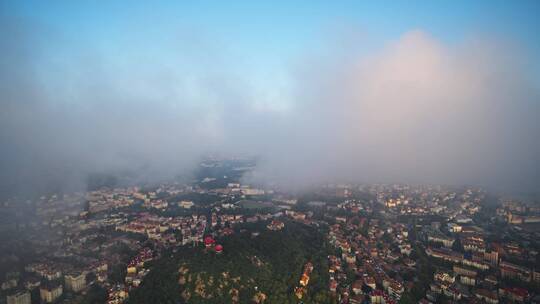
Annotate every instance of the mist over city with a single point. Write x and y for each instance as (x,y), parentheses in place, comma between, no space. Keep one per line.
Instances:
(410,107)
(165,134)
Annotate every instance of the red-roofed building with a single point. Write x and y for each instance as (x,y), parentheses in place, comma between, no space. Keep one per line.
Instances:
(209,241)
(219,248)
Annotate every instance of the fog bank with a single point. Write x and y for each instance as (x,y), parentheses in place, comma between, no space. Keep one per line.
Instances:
(410,110)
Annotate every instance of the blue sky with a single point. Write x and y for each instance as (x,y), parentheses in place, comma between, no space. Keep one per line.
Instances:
(275,23)
(256,39)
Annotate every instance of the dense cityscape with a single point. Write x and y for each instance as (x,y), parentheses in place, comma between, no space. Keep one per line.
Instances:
(184,242)
(269,152)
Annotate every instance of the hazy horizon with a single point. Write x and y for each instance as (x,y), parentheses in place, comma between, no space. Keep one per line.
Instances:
(355,93)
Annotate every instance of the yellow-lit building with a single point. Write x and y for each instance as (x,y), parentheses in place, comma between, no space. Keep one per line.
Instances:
(75,282)
(20,297)
(51,292)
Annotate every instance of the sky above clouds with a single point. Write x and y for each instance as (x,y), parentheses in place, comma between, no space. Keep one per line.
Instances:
(423,92)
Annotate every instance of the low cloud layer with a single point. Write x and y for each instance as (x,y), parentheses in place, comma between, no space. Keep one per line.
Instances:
(415,110)
(412,110)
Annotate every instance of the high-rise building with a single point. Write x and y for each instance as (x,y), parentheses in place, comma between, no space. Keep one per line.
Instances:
(75,281)
(50,292)
(19,297)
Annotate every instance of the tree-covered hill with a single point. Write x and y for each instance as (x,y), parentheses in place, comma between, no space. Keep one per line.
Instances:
(266,266)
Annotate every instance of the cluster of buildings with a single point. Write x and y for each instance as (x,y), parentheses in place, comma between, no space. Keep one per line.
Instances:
(117,294)
(474,263)
(516,213)
(107,199)
(50,280)
(375,252)
(136,269)
(479,268)
(456,286)
(377,239)
(275,225)
(301,290)
(428,200)
(167,231)
(210,244)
